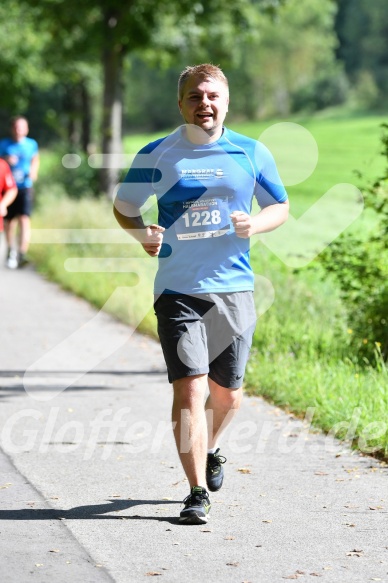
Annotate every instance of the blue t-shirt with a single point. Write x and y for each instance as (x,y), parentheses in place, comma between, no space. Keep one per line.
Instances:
(197,188)
(25,150)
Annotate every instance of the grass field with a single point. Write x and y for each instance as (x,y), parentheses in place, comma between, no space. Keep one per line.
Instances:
(301,357)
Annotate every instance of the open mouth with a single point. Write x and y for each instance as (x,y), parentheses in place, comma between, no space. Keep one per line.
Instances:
(205,115)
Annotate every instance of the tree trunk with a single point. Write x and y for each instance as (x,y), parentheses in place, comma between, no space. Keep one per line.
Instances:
(86,117)
(70,107)
(111,118)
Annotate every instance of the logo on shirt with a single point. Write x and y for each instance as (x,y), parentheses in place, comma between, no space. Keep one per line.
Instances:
(201,173)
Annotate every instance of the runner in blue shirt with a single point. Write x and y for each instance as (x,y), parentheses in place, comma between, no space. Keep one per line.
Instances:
(22,155)
(205,177)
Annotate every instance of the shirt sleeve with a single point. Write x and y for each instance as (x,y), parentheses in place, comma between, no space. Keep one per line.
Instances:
(269,187)
(138,184)
(35,148)
(8,179)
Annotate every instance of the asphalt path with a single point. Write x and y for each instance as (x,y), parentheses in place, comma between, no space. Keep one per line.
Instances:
(91,485)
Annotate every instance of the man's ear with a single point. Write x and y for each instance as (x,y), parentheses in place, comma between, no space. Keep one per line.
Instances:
(180,106)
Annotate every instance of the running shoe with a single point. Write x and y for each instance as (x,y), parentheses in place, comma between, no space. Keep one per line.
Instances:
(22,260)
(12,259)
(197,507)
(214,470)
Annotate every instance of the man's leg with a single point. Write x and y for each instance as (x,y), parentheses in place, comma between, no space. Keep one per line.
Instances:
(10,232)
(24,234)
(10,227)
(222,404)
(190,429)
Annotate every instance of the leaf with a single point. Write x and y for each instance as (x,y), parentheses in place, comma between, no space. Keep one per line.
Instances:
(229,538)
(54,551)
(244,471)
(234,564)
(355,553)
(268,521)
(152,573)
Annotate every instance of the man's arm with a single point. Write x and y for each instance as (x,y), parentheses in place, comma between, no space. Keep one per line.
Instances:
(34,168)
(8,197)
(268,219)
(129,218)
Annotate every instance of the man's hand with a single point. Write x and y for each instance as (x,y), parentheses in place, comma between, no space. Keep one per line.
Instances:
(3,209)
(243,224)
(153,239)
(268,219)
(12,159)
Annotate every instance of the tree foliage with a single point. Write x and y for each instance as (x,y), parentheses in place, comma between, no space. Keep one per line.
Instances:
(362,30)
(276,65)
(107,30)
(69,63)
(21,54)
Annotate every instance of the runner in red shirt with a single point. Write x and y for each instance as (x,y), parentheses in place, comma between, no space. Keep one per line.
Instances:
(8,190)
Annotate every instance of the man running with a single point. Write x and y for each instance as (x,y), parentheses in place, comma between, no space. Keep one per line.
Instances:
(8,190)
(22,155)
(205,177)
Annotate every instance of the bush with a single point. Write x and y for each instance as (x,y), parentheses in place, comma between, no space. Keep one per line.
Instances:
(324,90)
(360,265)
(77,182)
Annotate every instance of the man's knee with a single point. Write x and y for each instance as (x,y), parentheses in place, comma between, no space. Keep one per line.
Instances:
(189,391)
(234,397)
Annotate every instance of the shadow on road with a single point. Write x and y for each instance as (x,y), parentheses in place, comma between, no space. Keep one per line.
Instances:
(93,512)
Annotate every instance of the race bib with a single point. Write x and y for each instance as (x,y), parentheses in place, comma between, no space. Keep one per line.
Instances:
(202,218)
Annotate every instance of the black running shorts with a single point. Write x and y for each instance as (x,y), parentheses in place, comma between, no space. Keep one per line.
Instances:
(206,334)
(22,205)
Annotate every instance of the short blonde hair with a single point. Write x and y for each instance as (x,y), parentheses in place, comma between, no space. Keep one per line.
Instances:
(204,71)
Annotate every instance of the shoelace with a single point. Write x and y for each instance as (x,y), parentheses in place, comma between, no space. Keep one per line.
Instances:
(214,460)
(195,498)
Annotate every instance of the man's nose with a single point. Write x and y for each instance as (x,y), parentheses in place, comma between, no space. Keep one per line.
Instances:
(205,100)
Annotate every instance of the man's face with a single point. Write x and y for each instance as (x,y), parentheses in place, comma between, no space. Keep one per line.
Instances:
(19,129)
(205,104)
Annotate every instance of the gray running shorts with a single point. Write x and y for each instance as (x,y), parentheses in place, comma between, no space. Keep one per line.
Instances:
(206,334)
